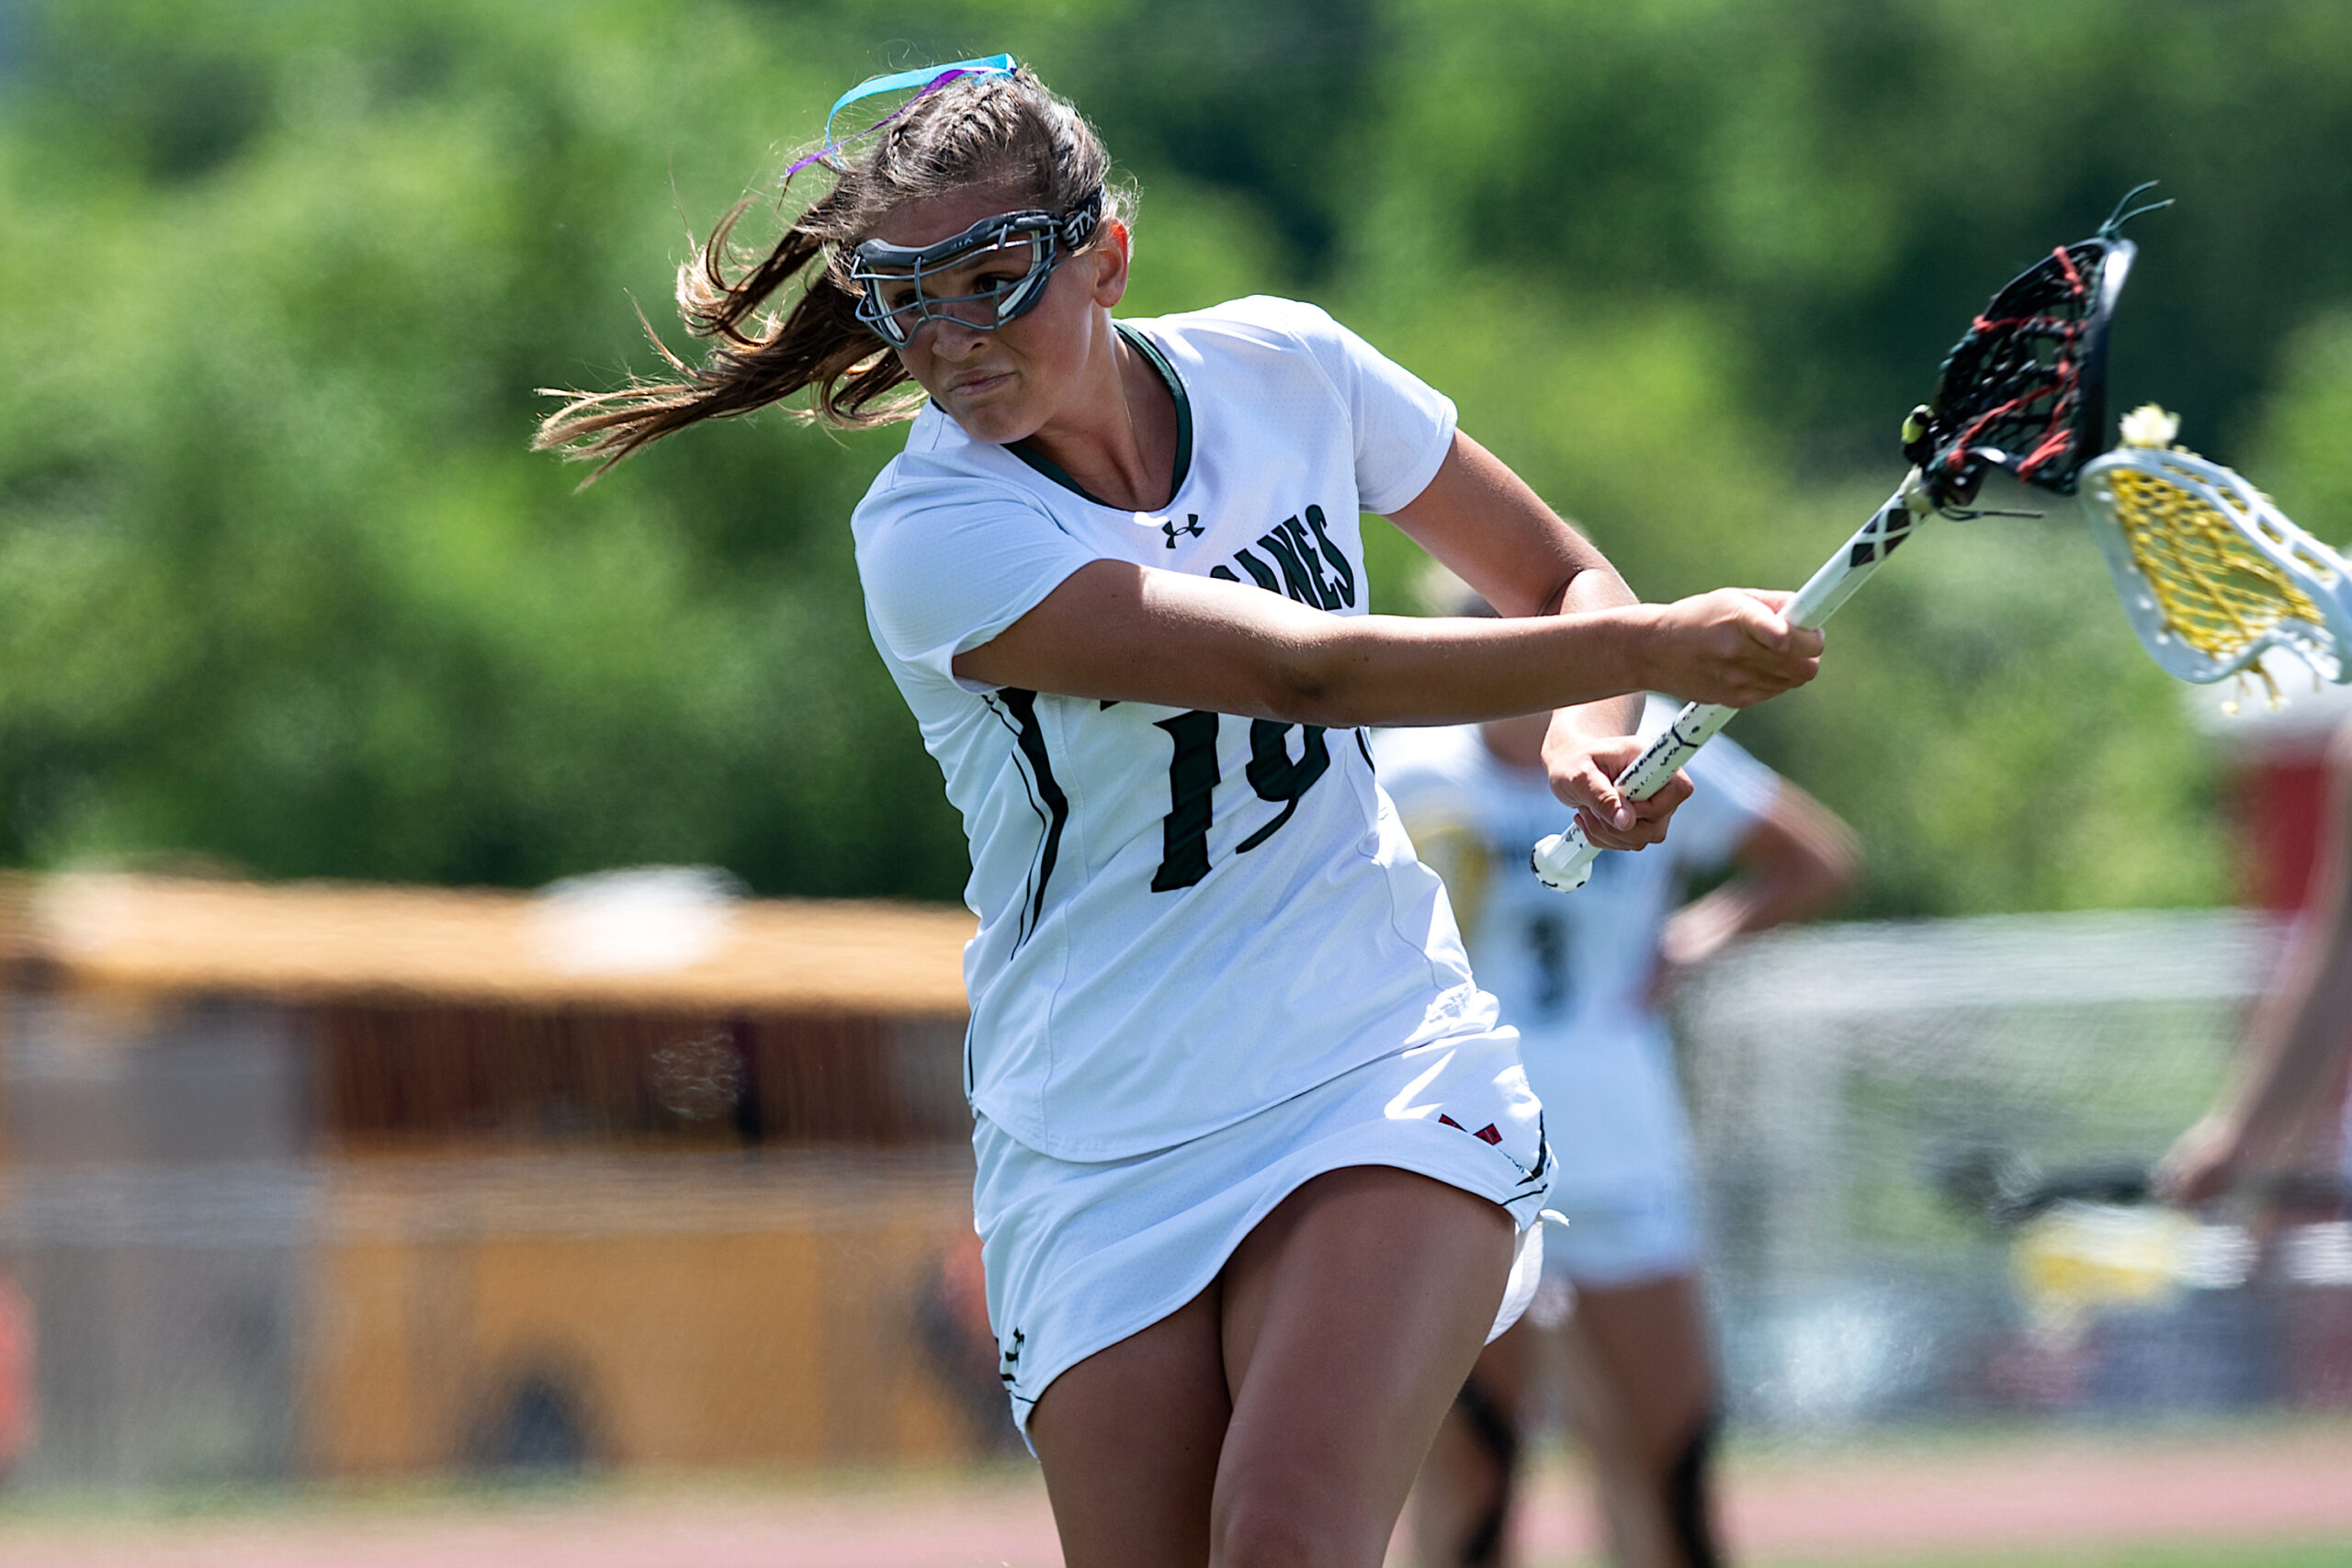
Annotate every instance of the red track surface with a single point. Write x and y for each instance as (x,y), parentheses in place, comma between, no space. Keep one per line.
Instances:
(2040,1493)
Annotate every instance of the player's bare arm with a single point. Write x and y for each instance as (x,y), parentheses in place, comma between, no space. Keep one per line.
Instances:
(1486,525)
(2295,1040)
(1120,632)
(1576,641)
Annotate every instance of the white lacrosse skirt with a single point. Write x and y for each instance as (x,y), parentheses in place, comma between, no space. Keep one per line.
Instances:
(1081,1254)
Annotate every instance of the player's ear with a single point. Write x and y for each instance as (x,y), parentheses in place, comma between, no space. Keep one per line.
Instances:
(1107,261)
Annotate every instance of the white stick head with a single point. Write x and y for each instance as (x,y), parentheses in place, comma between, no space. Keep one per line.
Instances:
(2211,573)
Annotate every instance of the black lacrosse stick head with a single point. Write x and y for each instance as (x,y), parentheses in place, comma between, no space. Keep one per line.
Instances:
(2026,389)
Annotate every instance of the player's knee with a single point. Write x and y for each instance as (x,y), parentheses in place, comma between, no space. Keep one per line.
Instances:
(1277,1532)
(1262,1536)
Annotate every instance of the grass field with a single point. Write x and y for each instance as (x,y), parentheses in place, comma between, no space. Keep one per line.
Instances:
(2263,1496)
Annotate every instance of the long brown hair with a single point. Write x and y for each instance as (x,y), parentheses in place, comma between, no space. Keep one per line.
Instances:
(976,132)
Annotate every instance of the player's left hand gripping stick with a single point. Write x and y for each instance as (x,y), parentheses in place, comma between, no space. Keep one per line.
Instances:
(1564,861)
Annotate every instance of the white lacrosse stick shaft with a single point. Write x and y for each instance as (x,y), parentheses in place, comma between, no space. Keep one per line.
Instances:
(1564,861)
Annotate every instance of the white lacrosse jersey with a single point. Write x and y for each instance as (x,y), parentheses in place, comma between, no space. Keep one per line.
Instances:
(1185,917)
(1572,970)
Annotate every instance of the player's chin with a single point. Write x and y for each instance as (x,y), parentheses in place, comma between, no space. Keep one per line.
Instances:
(993,412)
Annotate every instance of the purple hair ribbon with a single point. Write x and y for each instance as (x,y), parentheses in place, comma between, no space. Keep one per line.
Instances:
(929,78)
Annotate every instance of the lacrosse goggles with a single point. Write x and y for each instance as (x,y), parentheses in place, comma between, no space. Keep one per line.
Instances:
(992,273)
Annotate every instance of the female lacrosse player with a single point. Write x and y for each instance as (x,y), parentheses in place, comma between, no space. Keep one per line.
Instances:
(1580,978)
(1252,1150)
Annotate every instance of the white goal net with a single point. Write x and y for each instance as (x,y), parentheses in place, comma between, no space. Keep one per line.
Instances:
(1849,1082)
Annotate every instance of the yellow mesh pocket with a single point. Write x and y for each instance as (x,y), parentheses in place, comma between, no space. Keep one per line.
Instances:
(2219,594)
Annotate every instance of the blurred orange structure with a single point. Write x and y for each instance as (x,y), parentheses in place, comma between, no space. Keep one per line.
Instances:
(331,1179)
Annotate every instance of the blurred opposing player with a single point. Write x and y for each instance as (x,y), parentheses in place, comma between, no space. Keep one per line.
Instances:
(2291,1063)
(1582,977)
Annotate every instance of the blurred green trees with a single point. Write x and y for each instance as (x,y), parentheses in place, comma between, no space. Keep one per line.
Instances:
(278,582)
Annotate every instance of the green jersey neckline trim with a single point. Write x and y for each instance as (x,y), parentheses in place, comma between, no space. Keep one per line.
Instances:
(1158,361)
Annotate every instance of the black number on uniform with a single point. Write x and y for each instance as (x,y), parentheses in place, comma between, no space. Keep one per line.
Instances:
(1548,945)
(1192,783)
(1192,779)
(1275,777)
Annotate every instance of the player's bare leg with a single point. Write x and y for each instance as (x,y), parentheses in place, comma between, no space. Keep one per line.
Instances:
(1462,1502)
(1640,1392)
(1352,1315)
(1278,1418)
(1129,1438)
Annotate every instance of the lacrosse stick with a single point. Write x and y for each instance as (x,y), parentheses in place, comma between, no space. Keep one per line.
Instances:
(2212,574)
(2025,390)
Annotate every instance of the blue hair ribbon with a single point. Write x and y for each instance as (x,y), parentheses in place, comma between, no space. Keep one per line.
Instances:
(929,78)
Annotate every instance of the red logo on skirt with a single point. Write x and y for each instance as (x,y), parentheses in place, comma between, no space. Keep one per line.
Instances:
(1486,1135)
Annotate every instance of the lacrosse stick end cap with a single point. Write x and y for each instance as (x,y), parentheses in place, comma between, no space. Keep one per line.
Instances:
(1557,866)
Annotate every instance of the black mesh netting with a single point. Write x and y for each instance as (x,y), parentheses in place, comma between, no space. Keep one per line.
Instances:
(2026,389)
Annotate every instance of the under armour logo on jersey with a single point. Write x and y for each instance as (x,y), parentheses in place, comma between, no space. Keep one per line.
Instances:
(1192,524)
